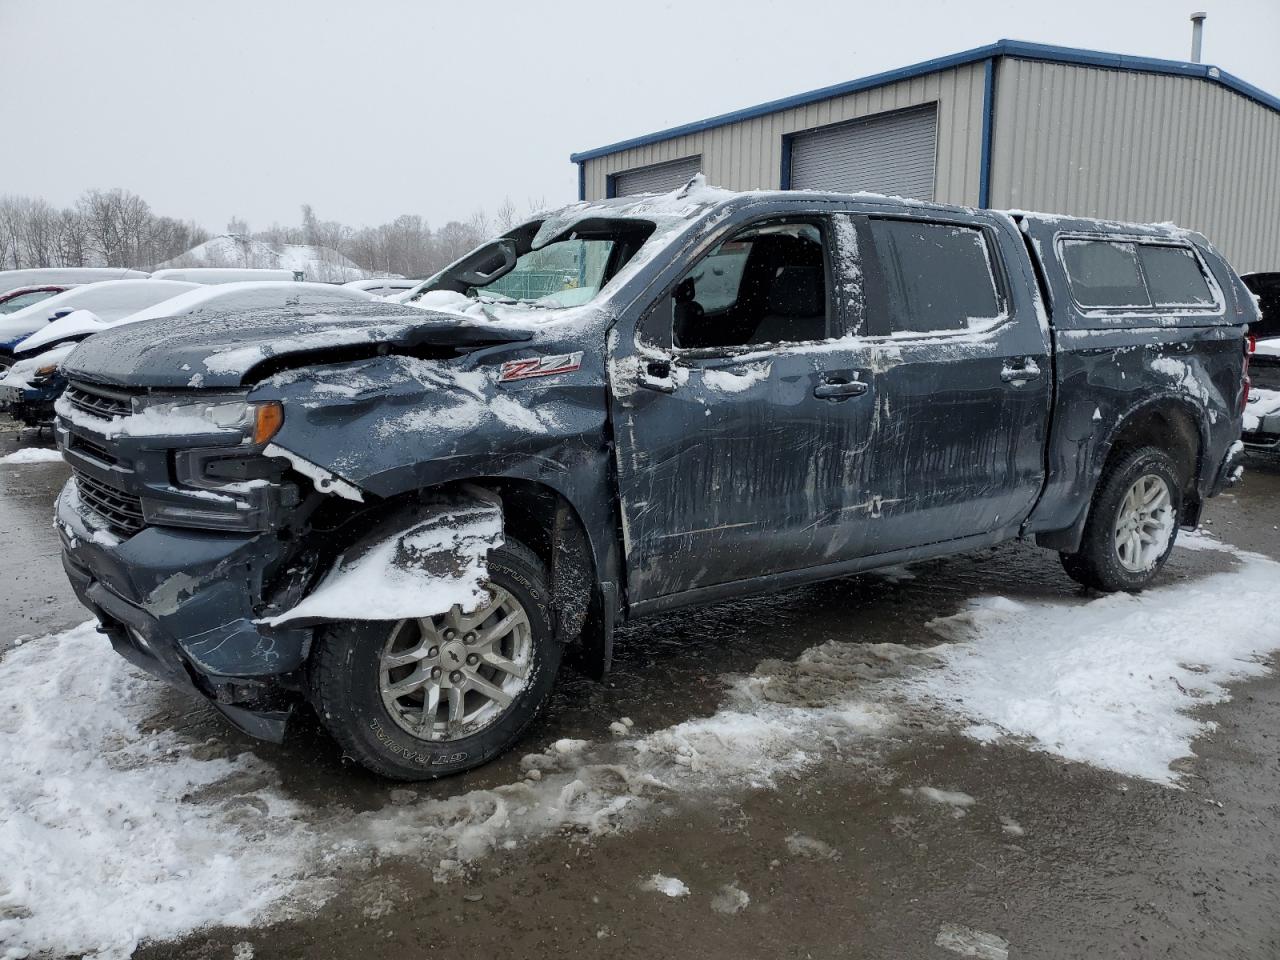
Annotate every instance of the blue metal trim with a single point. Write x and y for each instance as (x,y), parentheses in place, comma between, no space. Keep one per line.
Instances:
(610,186)
(988,119)
(1001,48)
(582,182)
(784,174)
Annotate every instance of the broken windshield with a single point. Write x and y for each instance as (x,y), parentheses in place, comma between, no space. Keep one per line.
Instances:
(568,271)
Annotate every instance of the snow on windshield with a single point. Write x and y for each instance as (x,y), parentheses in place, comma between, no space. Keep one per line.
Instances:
(558,280)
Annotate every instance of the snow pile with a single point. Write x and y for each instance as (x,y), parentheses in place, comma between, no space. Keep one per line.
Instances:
(667,886)
(32,455)
(111,833)
(1108,682)
(234,250)
(435,564)
(730,900)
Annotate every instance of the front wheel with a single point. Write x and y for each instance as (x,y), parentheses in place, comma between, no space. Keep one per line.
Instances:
(427,697)
(1132,525)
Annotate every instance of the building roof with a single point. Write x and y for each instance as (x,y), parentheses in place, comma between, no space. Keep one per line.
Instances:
(1001,48)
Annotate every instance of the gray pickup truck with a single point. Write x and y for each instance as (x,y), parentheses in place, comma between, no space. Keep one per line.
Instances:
(406,515)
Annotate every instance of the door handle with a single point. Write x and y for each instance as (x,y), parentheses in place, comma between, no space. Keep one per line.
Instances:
(1026,369)
(839,389)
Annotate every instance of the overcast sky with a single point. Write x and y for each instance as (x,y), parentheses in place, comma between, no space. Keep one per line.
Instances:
(371,108)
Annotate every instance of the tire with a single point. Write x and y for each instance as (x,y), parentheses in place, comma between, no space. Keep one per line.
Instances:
(355,694)
(1103,561)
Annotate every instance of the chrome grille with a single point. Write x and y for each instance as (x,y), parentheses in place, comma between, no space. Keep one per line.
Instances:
(103,404)
(121,511)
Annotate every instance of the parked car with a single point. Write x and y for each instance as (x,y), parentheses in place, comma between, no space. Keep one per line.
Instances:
(20,297)
(64,276)
(383,286)
(406,514)
(1262,414)
(226,274)
(111,300)
(32,385)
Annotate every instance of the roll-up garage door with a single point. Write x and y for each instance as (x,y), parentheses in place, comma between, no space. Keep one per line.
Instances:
(658,178)
(890,153)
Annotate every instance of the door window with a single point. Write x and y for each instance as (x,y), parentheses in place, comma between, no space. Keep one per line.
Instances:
(930,278)
(764,284)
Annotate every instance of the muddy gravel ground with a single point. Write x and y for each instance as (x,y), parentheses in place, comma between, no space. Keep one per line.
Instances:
(1059,859)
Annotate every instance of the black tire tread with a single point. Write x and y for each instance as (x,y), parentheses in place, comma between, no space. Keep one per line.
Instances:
(1094,565)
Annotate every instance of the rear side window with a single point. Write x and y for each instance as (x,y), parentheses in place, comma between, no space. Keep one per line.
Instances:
(932,277)
(1104,273)
(1119,274)
(1174,276)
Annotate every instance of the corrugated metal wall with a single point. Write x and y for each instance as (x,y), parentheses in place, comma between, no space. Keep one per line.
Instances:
(1136,146)
(748,155)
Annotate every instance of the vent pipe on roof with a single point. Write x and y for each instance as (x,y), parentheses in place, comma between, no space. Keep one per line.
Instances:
(1197,35)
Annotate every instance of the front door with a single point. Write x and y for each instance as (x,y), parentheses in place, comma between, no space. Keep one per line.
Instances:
(741,421)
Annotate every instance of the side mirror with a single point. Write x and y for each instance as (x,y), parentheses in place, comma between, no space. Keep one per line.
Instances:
(59,314)
(487,263)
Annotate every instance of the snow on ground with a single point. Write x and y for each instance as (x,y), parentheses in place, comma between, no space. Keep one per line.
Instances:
(105,836)
(32,455)
(667,886)
(115,831)
(1112,681)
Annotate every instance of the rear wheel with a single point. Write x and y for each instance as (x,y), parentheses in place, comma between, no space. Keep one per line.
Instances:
(1132,524)
(425,697)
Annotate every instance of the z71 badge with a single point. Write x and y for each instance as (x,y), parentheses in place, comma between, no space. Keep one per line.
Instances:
(540,366)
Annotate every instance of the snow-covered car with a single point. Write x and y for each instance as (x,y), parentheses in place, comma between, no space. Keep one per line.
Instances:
(111,300)
(20,298)
(1261,430)
(384,286)
(32,385)
(64,276)
(225,274)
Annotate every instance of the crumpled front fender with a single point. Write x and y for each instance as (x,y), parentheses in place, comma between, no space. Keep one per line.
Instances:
(416,562)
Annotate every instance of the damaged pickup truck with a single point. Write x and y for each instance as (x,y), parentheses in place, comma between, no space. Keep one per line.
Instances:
(408,514)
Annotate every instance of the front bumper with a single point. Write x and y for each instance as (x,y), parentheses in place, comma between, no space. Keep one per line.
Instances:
(180,604)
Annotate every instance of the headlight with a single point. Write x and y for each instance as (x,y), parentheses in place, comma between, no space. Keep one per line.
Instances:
(255,422)
(43,374)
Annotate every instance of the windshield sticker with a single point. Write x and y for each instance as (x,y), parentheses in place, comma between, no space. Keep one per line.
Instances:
(540,366)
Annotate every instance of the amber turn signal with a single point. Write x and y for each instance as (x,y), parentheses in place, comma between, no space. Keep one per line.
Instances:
(268,420)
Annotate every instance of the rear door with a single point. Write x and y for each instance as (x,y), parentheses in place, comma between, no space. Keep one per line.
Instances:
(742,418)
(966,379)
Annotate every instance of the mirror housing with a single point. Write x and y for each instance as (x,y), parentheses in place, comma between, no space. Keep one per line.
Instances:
(486,263)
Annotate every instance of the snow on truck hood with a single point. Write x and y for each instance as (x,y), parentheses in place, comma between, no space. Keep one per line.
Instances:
(220,350)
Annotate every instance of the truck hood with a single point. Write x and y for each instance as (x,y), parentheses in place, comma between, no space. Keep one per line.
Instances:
(228,350)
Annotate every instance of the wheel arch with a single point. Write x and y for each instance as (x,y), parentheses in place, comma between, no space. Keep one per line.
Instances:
(1168,421)
(545,520)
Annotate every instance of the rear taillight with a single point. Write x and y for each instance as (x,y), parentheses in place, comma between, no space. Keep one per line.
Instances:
(1250,345)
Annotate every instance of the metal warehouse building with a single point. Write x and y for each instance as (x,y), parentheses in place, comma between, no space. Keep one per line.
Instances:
(1009,125)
